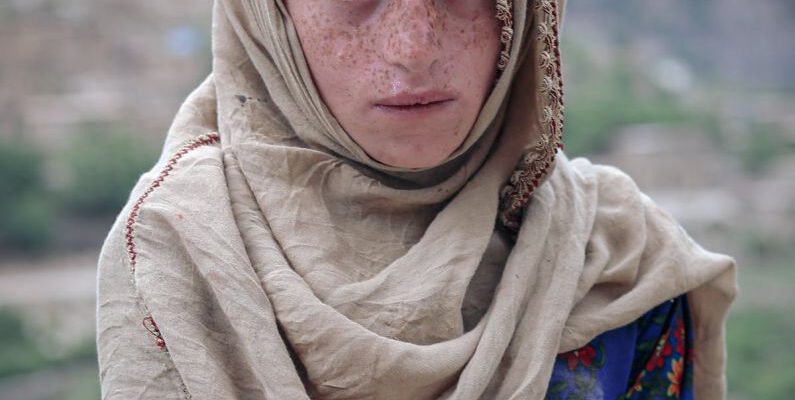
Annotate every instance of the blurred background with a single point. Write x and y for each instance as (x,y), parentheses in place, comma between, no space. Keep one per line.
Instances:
(694,99)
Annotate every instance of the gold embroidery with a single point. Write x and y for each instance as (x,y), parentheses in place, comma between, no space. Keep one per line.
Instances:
(536,163)
(505,15)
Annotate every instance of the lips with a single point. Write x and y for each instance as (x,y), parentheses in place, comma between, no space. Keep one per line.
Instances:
(407,101)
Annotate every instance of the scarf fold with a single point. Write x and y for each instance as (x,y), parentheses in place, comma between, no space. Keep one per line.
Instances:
(275,259)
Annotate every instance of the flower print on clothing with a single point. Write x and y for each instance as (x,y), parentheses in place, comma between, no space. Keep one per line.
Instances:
(675,376)
(650,358)
(583,356)
(665,356)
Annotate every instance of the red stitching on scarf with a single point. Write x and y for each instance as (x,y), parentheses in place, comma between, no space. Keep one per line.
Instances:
(151,326)
(131,219)
(148,322)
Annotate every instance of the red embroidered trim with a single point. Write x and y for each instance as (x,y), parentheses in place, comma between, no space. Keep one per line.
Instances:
(148,322)
(151,326)
(130,230)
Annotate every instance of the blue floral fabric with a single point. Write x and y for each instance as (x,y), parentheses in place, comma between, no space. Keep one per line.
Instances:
(651,358)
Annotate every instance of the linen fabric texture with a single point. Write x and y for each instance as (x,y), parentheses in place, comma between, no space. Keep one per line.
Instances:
(277,260)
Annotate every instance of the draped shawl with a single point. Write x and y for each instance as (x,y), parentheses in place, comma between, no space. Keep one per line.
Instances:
(267,256)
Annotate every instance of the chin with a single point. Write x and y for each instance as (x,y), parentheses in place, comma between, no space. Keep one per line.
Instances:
(414,154)
(414,163)
(408,143)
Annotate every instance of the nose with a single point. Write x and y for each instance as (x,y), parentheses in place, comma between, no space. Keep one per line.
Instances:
(413,40)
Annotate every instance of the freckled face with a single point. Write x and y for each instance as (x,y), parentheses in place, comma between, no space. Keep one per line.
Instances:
(405,78)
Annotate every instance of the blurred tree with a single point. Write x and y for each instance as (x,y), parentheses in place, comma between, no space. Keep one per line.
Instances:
(18,352)
(103,167)
(601,99)
(764,144)
(25,209)
(759,369)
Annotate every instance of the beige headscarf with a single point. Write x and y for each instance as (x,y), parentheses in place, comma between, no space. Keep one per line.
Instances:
(277,260)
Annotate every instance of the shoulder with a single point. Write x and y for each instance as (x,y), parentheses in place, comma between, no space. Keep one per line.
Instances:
(193,171)
(149,235)
(612,183)
(182,184)
(591,182)
(176,212)
(196,160)
(597,198)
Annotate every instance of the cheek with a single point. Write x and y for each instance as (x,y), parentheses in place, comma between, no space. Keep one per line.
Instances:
(475,47)
(483,36)
(340,57)
(326,47)
(475,25)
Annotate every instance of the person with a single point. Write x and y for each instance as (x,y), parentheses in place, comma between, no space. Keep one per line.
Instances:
(369,200)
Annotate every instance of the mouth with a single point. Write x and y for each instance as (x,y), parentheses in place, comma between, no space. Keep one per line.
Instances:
(415,102)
